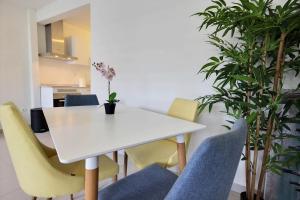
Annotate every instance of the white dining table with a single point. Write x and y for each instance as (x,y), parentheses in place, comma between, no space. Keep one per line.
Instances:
(86,132)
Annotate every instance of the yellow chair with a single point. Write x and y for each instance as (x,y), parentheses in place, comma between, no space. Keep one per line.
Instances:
(39,172)
(163,152)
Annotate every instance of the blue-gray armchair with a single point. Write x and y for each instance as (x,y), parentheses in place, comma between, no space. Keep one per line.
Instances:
(208,175)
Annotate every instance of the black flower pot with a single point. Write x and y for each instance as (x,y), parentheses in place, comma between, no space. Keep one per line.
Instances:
(110,108)
(243,196)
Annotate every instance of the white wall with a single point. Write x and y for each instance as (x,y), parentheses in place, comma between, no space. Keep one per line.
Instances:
(15,68)
(155,48)
(60,73)
(156,51)
(34,77)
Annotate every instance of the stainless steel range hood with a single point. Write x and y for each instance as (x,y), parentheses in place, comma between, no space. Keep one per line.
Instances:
(57,46)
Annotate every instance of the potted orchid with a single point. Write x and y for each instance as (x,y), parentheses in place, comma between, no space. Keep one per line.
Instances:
(108,72)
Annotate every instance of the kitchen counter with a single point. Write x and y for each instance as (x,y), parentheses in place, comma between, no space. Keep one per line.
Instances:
(53,93)
(64,86)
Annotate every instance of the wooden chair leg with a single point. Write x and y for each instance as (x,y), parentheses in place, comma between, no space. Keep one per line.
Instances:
(125,163)
(34,198)
(49,198)
(115,158)
(71,195)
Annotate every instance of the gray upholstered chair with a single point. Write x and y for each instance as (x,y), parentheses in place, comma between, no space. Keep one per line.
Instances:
(81,100)
(208,175)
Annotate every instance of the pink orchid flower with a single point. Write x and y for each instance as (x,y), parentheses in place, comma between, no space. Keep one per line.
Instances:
(108,72)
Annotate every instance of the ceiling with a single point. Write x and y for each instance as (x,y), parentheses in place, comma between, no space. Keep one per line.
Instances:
(79,17)
(31,3)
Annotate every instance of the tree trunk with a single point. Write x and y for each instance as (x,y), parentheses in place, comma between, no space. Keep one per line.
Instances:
(270,127)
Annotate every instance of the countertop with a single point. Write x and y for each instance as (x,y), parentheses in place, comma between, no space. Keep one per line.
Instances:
(64,86)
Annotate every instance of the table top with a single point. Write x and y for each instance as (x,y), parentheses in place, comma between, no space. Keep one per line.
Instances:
(85,131)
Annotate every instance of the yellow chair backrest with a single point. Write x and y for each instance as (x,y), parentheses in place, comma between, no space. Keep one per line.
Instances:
(184,109)
(36,175)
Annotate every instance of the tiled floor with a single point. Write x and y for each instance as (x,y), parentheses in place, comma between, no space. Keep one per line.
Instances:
(9,187)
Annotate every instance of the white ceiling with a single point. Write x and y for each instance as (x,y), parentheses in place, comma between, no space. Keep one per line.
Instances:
(79,17)
(31,3)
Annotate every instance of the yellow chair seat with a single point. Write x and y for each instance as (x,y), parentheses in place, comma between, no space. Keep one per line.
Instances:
(163,152)
(107,167)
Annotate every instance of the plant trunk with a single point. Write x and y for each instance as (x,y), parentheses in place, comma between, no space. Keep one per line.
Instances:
(247,165)
(247,153)
(253,180)
(258,118)
(270,126)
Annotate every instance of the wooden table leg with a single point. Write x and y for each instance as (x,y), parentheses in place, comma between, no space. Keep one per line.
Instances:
(181,152)
(115,158)
(91,178)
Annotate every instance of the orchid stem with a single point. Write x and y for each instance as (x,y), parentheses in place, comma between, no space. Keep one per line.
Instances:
(108,89)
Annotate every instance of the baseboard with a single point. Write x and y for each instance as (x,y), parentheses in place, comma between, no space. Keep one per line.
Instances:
(238,188)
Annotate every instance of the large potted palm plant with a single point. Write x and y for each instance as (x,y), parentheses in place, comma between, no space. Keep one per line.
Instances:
(258,45)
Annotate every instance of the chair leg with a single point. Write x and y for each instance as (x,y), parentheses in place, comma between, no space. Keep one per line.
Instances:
(34,198)
(115,158)
(49,198)
(125,163)
(71,195)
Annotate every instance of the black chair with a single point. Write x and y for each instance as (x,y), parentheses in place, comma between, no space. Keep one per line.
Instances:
(81,100)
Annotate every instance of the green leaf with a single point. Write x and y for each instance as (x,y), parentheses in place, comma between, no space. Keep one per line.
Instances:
(112,96)
(251,118)
(214,59)
(244,78)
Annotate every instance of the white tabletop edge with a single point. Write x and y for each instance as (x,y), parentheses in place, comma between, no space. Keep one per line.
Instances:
(70,159)
(121,148)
